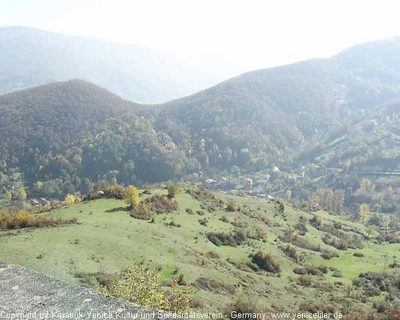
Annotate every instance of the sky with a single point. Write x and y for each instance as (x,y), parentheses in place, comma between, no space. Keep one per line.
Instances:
(249,34)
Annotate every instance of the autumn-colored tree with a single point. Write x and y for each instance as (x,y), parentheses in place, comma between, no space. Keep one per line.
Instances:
(69,199)
(131,196)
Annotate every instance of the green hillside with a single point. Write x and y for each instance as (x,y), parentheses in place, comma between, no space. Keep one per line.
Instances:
(328,253)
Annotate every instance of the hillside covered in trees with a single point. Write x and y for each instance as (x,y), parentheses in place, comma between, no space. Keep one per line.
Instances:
(339,112)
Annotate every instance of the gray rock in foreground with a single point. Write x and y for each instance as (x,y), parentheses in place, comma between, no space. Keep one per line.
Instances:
(25,294)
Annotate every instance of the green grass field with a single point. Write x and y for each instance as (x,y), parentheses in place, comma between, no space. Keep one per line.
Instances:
(107,239)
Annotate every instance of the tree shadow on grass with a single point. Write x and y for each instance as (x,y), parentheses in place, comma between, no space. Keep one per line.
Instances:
(118,209)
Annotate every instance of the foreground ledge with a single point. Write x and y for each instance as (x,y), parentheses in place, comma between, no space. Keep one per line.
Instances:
(26,294)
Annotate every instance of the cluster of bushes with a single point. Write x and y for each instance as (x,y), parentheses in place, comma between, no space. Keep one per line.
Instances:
(312,270)
(207,199)
(265,262)
(23,219)
(234,239)
(301,226)
(343,242)
(161,204)
(298,241)
(373,283)
(387,237)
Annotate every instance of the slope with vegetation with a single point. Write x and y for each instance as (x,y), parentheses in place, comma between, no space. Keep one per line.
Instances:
(334,119)
(226,252)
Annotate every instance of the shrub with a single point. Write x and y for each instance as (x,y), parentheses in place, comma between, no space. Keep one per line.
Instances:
(305,280)
(203,222)
(144,288)
(337,274)
(233,206)
(189,211)
(172,191)
(265,262)
(243,305)
(323,268)
(224,219)
(291,252)
(141,212)
(329,255)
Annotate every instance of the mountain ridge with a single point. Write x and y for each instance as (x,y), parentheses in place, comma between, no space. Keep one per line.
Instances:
(32,57)
(282,116)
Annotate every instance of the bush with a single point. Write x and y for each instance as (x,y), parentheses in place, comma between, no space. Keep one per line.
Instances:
(237,238)
(141,212)
(172,191)
(244,304)
(144,288)
(337,274)
(329,255)
(305,280)
(203,222)
(265,262)
(189,211)
(233,206)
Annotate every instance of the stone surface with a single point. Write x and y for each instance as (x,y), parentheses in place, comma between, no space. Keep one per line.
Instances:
(25,294)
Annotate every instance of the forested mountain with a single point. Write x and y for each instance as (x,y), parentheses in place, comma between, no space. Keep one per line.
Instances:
(64,137)
(31,57)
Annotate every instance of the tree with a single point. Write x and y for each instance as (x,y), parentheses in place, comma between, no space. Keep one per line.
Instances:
(22,194)
(69,199)
(131,196)
(338,201)
(288,194)
(8,196)
(172,190)
(364,212)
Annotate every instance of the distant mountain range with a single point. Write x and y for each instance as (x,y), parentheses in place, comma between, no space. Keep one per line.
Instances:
(339,112)
(31,57)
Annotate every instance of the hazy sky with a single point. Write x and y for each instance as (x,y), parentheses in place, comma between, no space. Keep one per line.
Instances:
(251,34)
